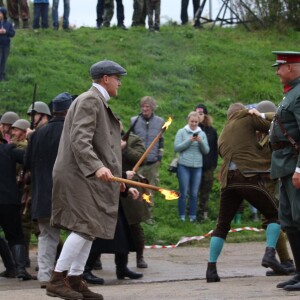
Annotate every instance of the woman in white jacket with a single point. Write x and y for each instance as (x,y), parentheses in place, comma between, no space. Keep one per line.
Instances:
(190,142)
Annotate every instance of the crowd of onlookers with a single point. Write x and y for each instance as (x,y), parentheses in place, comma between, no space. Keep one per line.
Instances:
(19,13)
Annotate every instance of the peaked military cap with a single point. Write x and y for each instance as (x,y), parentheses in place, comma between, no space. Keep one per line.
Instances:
(106,67)
(286,57)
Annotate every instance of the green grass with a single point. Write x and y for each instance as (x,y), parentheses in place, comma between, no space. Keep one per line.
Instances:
(180,67)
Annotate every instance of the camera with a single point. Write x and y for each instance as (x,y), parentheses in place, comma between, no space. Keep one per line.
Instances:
(195,134)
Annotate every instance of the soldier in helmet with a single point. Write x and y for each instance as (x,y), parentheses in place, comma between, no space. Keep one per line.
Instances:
(39,114)
(19,129)
(6,121)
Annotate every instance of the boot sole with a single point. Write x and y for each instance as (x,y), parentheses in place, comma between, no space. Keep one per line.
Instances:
(275,268)
(66,298)
(213,280)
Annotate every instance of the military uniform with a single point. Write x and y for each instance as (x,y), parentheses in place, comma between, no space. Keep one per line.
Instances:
(285,158)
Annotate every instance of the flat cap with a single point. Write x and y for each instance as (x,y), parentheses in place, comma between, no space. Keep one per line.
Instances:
(286,57)
(62,102)
(106,67)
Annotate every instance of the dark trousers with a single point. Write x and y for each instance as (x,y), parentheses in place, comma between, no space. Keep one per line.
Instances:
(18,9)
(184,9)
(4,53)
(100,12)
(10,221)
(239,188)
(207,181)
(40,10)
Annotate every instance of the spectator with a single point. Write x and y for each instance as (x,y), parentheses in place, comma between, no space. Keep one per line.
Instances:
(210,161)
(184,10)
(6,33)
(55,18)
(40,12)
(147,127)
(153,8)
(106,7)
(139,13)
(18,9)
(191,143)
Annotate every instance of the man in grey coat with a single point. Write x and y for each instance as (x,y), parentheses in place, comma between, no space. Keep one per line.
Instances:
(84,199)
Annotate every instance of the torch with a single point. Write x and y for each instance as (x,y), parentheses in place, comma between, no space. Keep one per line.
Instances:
(163,129)
(169,194)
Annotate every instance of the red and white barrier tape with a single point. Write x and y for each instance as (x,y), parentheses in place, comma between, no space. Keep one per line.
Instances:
(198,238)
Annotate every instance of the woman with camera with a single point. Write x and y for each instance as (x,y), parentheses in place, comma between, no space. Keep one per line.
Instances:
(191,143)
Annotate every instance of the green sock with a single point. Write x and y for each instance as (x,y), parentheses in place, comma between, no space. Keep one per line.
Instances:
(215,248)
(273,231)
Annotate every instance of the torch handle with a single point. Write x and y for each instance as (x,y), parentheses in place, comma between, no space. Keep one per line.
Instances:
(140,161)
(136,183)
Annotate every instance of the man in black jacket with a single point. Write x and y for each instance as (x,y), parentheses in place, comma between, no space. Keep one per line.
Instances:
(10,217)
(40,158)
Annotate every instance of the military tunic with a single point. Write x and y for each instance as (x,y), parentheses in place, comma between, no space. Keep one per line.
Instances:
(285,160)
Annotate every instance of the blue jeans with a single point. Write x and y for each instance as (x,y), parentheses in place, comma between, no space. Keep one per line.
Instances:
(4,52)
(189,180)
(66,14)
(40,10)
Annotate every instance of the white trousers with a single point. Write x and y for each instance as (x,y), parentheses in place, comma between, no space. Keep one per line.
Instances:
(47,247)
(74,255)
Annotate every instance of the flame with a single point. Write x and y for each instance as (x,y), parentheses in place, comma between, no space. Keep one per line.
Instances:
(146,198)
(168,123)
(169,195)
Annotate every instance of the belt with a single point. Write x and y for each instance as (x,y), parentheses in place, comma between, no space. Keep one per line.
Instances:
(280,145)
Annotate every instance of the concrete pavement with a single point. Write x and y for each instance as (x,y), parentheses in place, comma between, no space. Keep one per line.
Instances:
(175,274)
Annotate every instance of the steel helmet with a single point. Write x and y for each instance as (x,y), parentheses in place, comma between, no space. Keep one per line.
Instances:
(40,107)
(266,106)
(9,117)
(21,124)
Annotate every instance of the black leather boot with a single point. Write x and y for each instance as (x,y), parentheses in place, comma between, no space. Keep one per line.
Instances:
(19,254)
(294,283)
(8,260)
(89,277)
(212,273)
(138,236)
(122,271)
(288,265)
(269,261)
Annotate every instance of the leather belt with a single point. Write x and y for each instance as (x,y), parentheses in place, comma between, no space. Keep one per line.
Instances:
(280,145)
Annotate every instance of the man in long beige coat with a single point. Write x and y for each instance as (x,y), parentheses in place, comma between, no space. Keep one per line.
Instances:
(84,200)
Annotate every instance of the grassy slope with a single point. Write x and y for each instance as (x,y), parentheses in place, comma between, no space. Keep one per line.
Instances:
(180,67)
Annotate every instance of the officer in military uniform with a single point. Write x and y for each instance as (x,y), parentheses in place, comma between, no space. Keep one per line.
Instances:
(285,138)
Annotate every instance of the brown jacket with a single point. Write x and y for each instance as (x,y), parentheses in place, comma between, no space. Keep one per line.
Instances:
(238,143)
(90,140)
